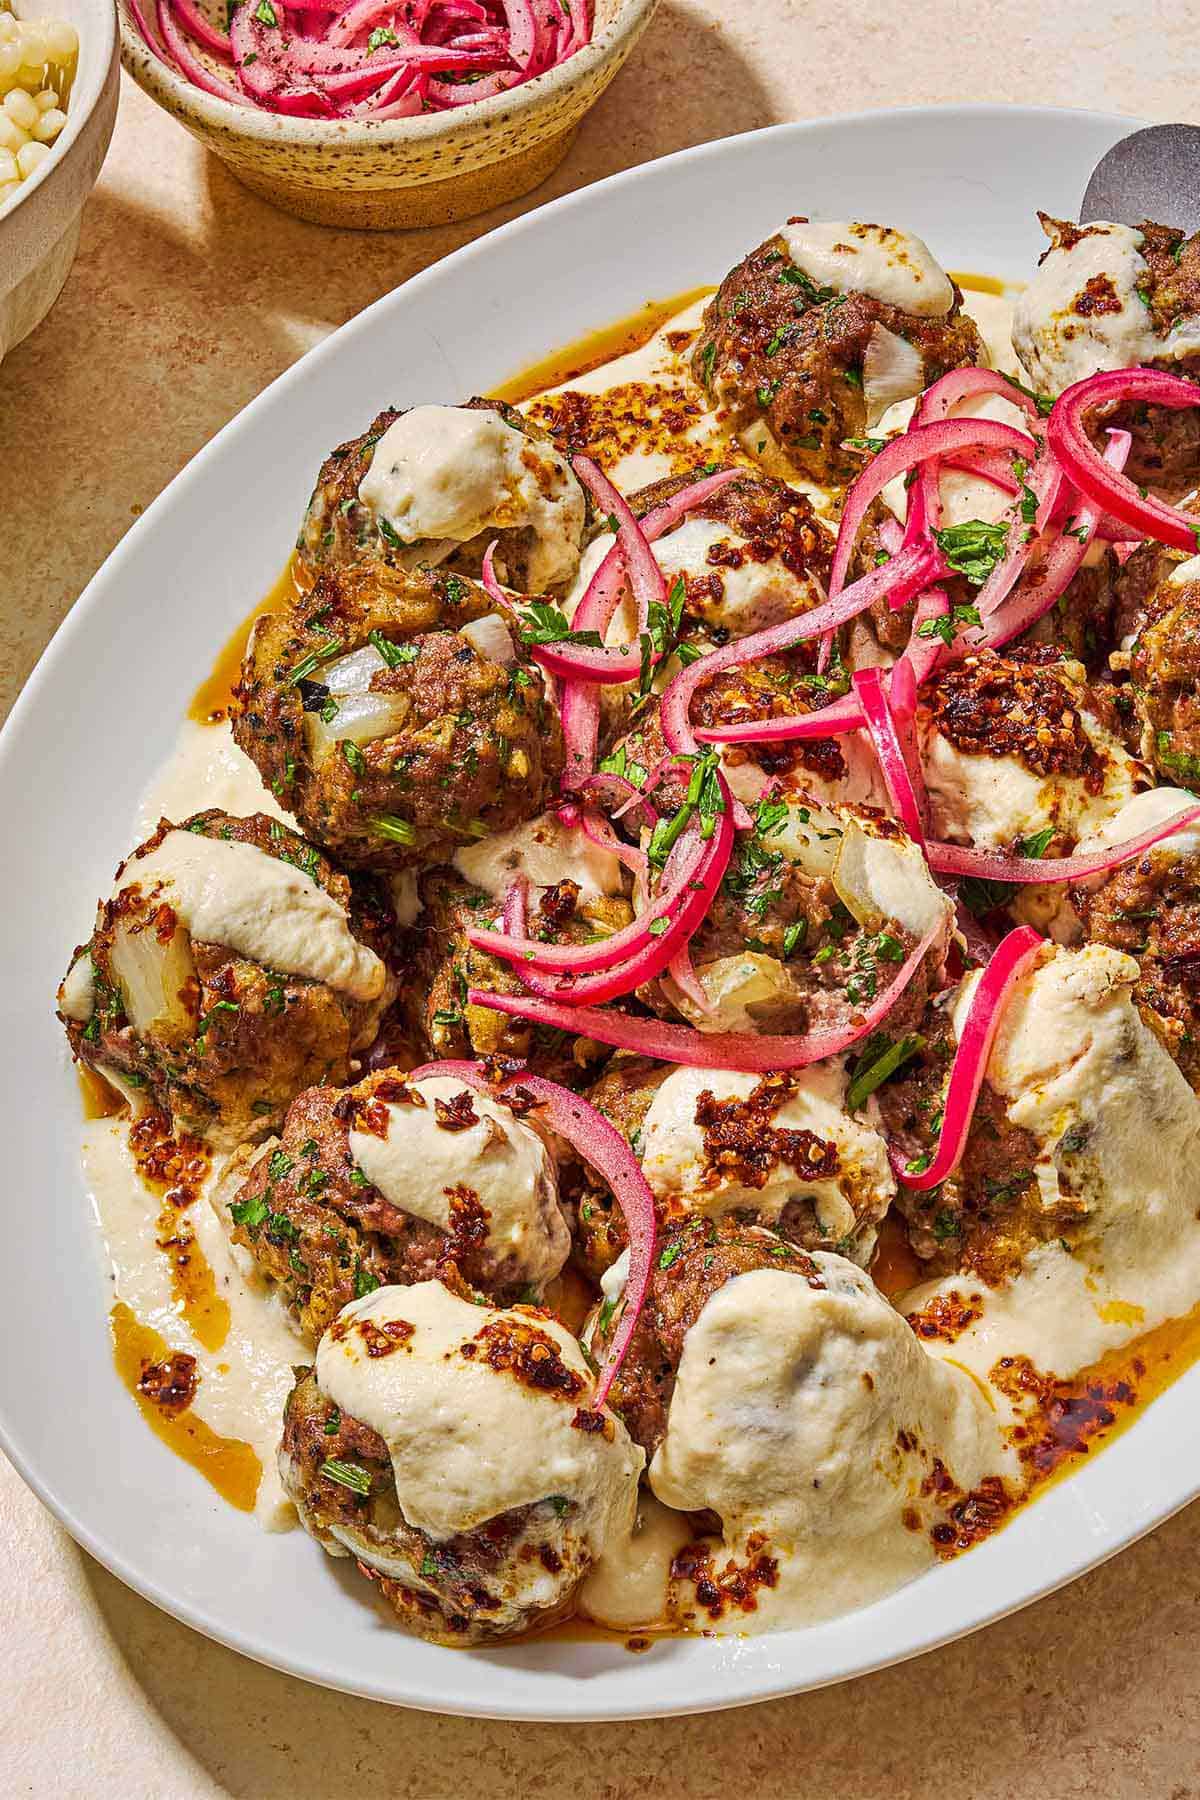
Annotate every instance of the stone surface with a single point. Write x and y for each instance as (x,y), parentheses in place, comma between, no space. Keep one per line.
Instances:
(188,296)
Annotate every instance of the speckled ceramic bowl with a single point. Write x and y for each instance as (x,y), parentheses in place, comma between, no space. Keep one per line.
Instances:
(39,225)
(378,174)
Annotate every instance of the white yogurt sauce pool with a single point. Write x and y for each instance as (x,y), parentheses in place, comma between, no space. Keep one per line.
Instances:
(841,1546)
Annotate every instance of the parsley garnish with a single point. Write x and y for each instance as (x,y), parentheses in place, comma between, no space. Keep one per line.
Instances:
(347,1475)
(877,1063)
(542,623)
(392,654)
(973,548)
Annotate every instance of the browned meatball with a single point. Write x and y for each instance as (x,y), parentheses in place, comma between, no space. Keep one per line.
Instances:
(775,347)
(1164,680)
(693,1263)
(769,688)
(622,1095)
(454,1591)
(339,529)
(769,524)
(397,715)
(220,1040)
(987,1216)
(446,965)
(314,1223)
(1150,908)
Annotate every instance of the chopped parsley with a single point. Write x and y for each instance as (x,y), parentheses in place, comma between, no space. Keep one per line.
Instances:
(542,623)
(878,1062)
(973,548)
(347,1475)
(308,665)
(393,654)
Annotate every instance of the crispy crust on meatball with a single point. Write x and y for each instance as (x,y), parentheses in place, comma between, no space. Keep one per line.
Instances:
(478,746)
(1150,908)
(245,1039)
(446,965)
(775,347)
(987,1216)
(693,1263)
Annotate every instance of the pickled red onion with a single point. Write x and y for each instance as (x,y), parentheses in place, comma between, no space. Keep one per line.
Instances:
(994,865)
(907,452)
(1011,958)
(746,1052)
(320,59)
(616,965)
(886,715)
(1106,488)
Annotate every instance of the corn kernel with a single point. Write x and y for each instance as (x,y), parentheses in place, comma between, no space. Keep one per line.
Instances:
(29,156)
(21,109)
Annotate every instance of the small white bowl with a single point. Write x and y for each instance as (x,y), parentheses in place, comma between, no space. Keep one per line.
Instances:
(39,224)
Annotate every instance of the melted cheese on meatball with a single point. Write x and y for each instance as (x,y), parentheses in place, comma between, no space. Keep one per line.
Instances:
(544,852)
(230,893)
(1082,311)
(494,1175)
(848,1184)
(807,1417)
(469,1437)
(877,260)
(452,472)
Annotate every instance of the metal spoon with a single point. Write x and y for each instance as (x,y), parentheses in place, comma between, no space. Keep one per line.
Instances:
(1151,174)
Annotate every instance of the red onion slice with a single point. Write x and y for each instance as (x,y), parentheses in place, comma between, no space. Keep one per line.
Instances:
(1042,585)
(995,865)
(600,1145)
(901,454)
(1012,957)
(1107,489)
(901,772)
(914,568)
(743,1052)
(189,62)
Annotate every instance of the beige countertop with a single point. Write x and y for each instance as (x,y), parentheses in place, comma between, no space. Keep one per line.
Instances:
(188,297)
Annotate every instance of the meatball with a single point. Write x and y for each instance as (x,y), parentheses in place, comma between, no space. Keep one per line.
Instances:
(450,1449)
(694,1262)
(829,1452)
(835,770)
(782,1151)
(1013,756)
(1110,296)
(393,1181)
(821,328)
(437,484)
(445,965)
(817,910)
(1150,908)
(1164,672)
(397,715)
(232,967)
(987,1216)
(752,555)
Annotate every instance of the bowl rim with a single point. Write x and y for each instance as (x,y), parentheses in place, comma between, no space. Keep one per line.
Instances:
(188,101)
(96,70)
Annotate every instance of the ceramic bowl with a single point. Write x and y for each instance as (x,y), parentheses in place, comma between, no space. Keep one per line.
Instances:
(39,225)
(379,174)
